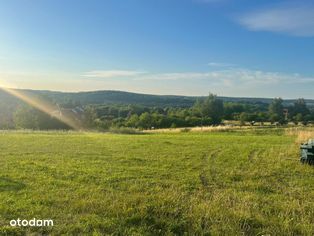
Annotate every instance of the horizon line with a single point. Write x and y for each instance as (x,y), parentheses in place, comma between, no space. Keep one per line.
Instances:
(143,93)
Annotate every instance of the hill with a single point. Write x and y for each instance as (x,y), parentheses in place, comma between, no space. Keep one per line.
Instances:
(121,97)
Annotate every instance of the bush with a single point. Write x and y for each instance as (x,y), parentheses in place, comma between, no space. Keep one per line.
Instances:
(124,130)
(185,130)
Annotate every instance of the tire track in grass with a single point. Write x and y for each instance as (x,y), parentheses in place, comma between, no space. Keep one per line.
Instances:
(208,172)
(252,155)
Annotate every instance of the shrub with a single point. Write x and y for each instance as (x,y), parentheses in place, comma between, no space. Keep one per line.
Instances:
(185,130)
(124,130)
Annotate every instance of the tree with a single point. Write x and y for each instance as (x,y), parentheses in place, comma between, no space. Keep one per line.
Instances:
(299,106)
(90,115)
(300,112)
(197,108)
(297,118)
(25,117)
(232,109)
(145,120)
(242,118)
(262,117)
(306,119)
(275,110)
(133,121)
(211,107)
(102,124)
(311,116)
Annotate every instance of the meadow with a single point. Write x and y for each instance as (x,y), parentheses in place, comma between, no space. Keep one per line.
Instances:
(240,182)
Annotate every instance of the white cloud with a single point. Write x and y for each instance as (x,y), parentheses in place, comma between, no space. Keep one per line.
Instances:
(218,64)
(231,77)
(112,73)
(174,76)
(225,77)
(289,19)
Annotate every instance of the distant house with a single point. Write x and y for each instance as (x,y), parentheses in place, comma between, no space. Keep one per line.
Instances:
(76,113)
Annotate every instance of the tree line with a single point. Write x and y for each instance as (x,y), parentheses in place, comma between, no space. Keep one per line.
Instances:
(204,112)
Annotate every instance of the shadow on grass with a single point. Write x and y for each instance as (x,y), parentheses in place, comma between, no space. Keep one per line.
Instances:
(7,184)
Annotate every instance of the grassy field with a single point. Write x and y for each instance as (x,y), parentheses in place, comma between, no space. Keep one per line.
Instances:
(246,182)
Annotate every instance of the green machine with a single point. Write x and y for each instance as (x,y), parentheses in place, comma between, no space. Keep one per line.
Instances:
(307,152)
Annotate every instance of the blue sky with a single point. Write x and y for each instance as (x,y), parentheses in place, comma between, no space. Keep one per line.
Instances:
(188,47)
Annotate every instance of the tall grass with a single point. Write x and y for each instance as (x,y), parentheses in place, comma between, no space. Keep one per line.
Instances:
(302,134)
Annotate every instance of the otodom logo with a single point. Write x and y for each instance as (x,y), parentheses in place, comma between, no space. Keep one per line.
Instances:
(32,223)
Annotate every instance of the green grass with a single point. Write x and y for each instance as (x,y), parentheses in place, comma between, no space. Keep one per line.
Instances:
(218,183)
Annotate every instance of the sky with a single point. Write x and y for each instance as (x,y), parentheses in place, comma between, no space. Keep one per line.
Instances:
(240,48)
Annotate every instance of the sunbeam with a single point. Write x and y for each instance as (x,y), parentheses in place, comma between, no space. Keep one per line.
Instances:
(43,106)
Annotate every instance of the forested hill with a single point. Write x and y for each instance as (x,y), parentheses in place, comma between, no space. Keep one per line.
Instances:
(120,97)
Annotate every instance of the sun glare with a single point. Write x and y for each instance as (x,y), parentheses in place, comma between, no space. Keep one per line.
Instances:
(43,106)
